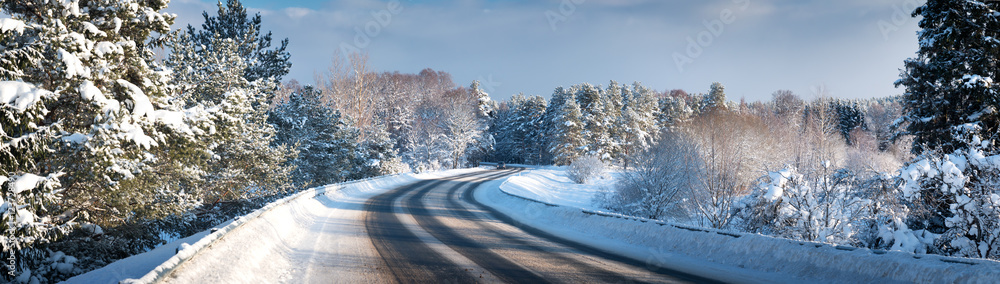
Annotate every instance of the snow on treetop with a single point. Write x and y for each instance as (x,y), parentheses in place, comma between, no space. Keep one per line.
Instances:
(20,95)
(73,65)
(143,106)
(972,81)
(135,134)
(8,24)
(25,182)
(93,29)
(91,93)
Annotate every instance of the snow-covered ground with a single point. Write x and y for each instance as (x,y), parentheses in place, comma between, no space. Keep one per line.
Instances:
(268,230)
(727,256)
(264,241)
(549,184)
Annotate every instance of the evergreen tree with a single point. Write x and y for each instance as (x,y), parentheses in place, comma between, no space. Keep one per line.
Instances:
(637,123)
(529,123)
(567,134)
(672,111)
(82,112)
(327,145)
(234,23)
(502,129)
(595,129)
(244,163)
(716,98)
(849,117)
(615,97)
(950,82)
(552,113)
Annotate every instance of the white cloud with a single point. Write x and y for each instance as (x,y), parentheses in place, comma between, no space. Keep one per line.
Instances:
(296,13)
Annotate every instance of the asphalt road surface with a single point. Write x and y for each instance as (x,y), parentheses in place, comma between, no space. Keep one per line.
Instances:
(435,232)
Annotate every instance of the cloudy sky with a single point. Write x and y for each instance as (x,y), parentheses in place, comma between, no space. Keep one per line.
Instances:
(844,48)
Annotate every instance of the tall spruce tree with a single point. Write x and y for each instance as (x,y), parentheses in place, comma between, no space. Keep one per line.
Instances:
(716,99)
(327,145)
(637,124)
(592,104)
(567,136)
(951,81)
(234,23)
(244,162)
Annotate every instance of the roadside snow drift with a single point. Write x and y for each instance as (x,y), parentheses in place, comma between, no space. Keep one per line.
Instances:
(255,241)
(547,200)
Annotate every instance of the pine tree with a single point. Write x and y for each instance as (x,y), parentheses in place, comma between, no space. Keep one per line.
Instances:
(552,113)
(716,98)
(482,142)
(244,162)
(615,97)
(595,129)
(234,23)
(950,82)
(84,112)
(327,145)
(849,117)
(638,122)
(567,136)
(529,123)
(502,129)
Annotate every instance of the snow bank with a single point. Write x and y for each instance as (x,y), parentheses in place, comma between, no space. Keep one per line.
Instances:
(154,265)
(542,199)
(552,185)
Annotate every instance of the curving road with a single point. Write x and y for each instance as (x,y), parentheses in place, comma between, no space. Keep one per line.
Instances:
(431,231)
(435,232)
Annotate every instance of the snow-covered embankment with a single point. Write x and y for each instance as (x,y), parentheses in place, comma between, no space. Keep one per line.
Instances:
(548,200)
(260,238)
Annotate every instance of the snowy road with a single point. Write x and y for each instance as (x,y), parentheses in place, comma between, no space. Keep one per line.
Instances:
(431,231)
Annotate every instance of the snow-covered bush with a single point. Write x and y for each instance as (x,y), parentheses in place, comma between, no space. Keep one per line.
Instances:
(586,168)
(823,208)
(659,181)
(957,196)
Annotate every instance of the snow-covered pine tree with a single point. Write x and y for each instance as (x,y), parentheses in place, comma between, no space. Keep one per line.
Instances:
(595,131)
(486,107)
(567,140)
(950,82)
(234,23)
(482,142)
(380,155)
(849,117)
(672,111)
(614,98)
(552,113)
(502,129)
(529,123)
(716,98)
(638,121)
(81,99)
(327,145)
(245,164)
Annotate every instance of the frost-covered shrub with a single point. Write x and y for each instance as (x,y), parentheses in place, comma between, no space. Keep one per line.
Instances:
(586,168)
(958,197)
(788,204)
(659,181)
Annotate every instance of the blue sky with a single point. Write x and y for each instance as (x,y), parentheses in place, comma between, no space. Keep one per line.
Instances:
(846,48)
